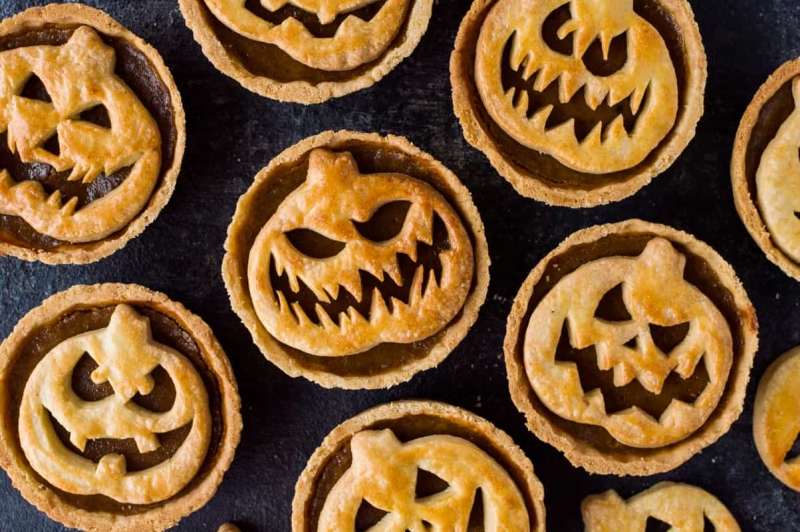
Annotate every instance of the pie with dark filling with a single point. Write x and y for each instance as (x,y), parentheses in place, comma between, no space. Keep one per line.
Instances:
(579,102)
(119,409)
(356,260)
(307,51)
(92,133)
(629,348)
(418,465)
(765,168)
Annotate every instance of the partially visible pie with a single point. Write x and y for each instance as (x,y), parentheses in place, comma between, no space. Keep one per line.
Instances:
(629,348)
(307,51)
(92,134)
(665,506)
(119,409)
(579,103)
(356,260)
(414,464)
(765,168)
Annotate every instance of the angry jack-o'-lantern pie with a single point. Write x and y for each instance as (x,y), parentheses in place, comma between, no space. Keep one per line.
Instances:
(91,134)
(629,348)
(119,409)
(307,51)
(579,102)
(356,260)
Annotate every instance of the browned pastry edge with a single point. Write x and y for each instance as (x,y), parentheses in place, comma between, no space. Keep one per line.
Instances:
(745,202)
(302,91)
(579,452)
(36,17)
(272,349)
(333,442)
(529,185)
(167,515)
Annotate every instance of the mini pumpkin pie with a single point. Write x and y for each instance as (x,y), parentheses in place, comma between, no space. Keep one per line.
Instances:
(629,348)
(119,409)
(356,260)
(776,418)
(418,465)
(307,51)
(765,168)
(91,134)
(579,102)
(665,506)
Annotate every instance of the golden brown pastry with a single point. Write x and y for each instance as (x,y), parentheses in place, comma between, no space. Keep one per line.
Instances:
(307,51)
(91,147)
(356,260)
(629,348)
(667,504)
(776,418)
(583,102)
(765,168)
(119,409)
(405,464)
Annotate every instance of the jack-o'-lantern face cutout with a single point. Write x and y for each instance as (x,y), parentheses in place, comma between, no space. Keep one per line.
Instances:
(589,82)
(650,369)
(665,506)
(331,35)
(352,260)
(126,357)
(48,95)
(385,474)
(778,182)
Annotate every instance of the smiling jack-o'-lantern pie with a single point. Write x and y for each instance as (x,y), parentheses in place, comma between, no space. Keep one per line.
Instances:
(91,134)
(629,348)
(356,260)
(307,51)
(119,409)
(579,102)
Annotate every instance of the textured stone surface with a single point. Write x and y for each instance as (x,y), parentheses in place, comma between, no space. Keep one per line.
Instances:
(233,133)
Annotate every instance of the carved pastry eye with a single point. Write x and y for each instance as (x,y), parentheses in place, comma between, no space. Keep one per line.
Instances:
(602,66)
(97,115)
(313,244)
(34,89)
(550,28)
(385,223)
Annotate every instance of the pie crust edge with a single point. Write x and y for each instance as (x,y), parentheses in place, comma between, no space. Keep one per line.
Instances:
(179,506)
(236,257)
(526,184)
(581,454)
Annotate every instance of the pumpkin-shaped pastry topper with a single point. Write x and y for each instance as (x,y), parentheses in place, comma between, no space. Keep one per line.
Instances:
(665,506)
(667,338)
(329,35)
(598,94)
(778,182)
(352,260)
(384,473)
(51,128)
(776,418)
(126,355)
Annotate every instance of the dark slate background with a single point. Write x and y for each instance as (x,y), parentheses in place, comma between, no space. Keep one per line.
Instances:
(233,133)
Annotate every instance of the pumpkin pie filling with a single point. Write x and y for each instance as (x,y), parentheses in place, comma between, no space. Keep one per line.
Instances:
(166,331)
(370,158)
(136,70)
(699,274)
(543,166)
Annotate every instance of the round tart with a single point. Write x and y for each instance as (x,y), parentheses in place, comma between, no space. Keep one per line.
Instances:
(418,465)
(629,348)
(583,102)
(776,418)
(307,51)
(356,260)
(119,409)
(665,506)
(91,138)
(765,168)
